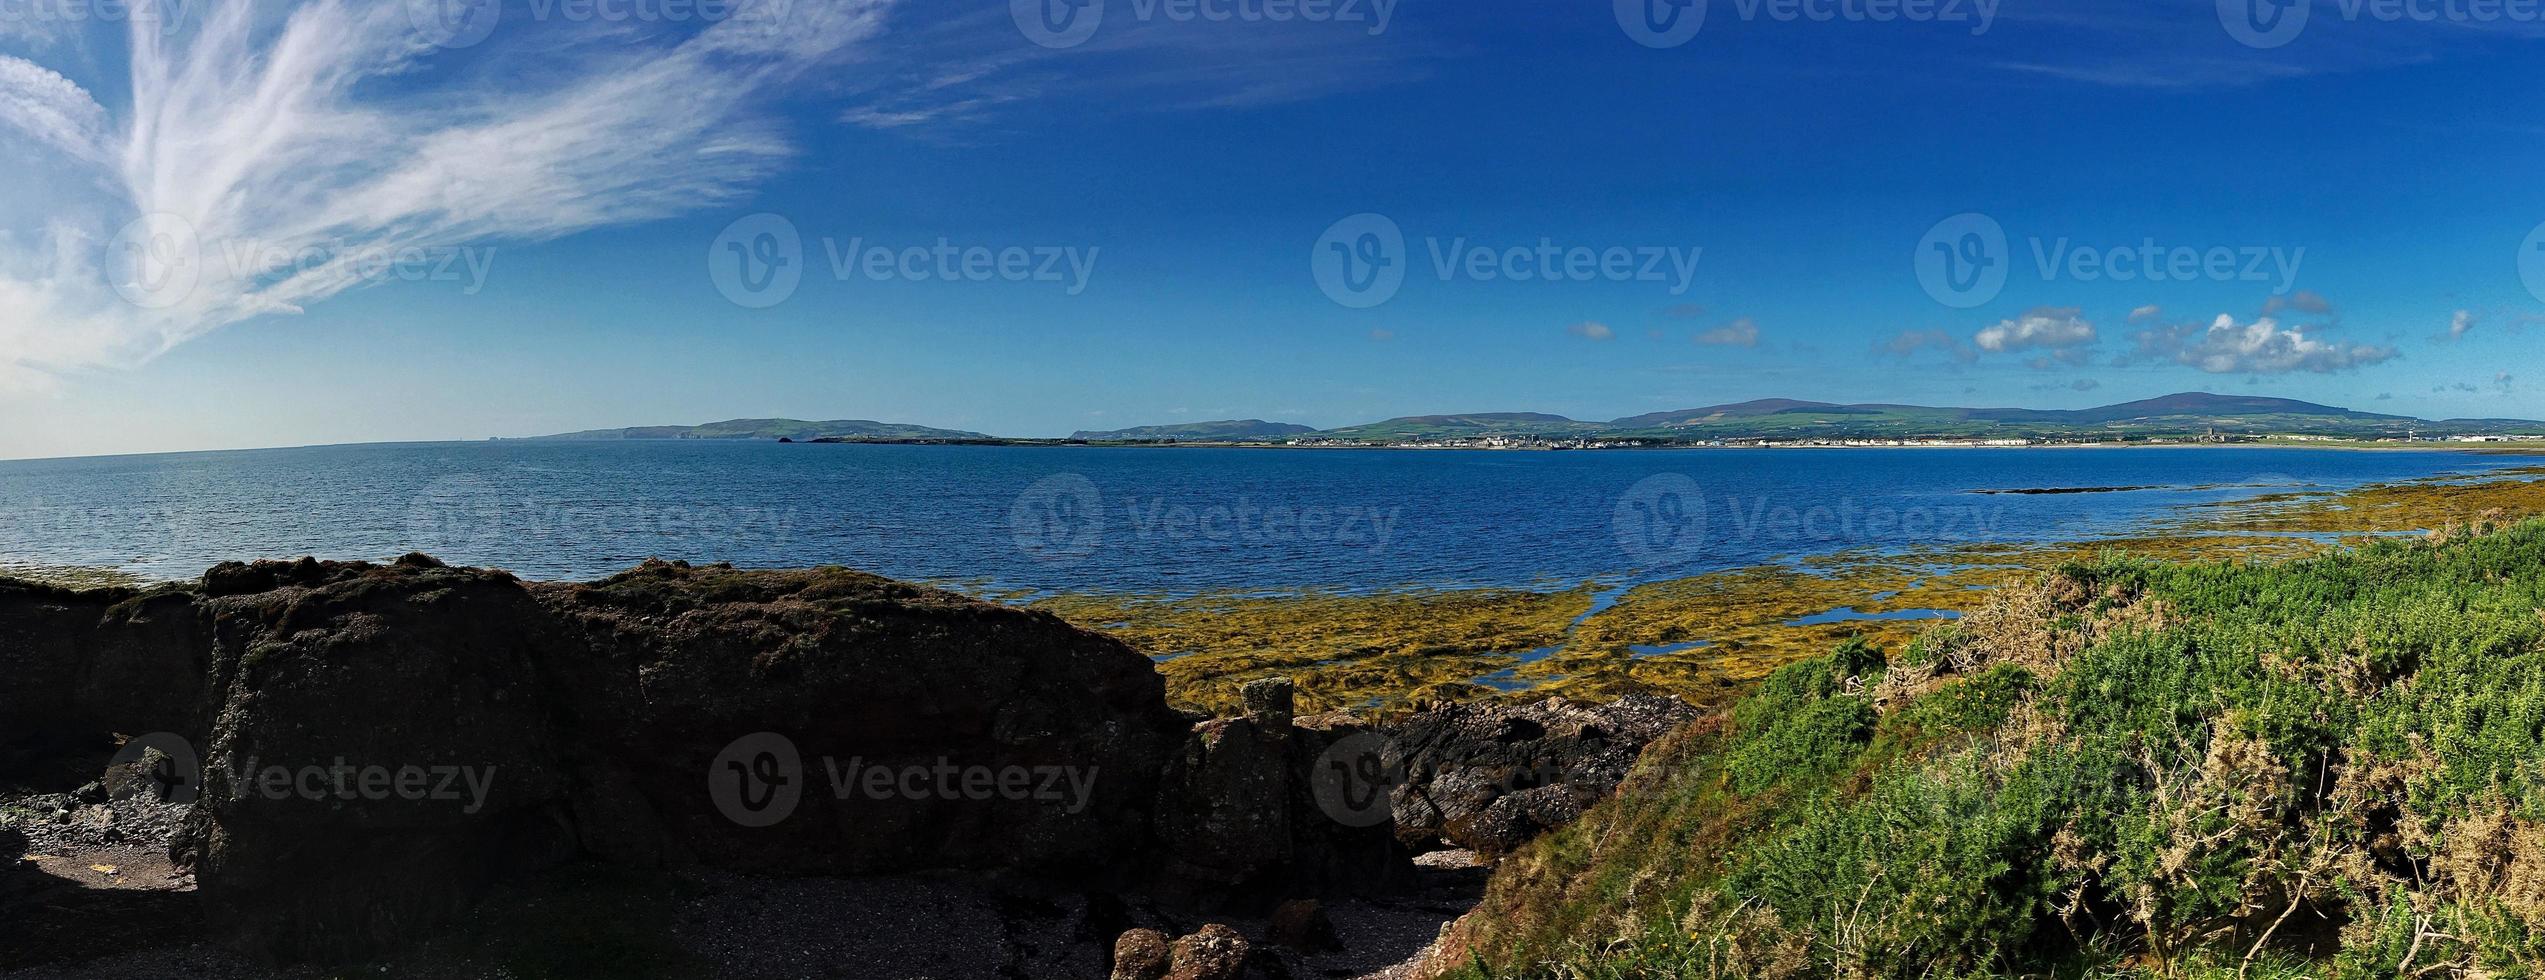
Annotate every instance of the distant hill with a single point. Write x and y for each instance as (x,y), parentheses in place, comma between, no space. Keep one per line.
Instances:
(1474,426)
(772,429)
(2190,413)
(1229,431)
(2172,416)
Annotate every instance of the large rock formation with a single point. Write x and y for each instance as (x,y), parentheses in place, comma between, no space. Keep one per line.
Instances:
(1489,776)
(380,745)
(930,730)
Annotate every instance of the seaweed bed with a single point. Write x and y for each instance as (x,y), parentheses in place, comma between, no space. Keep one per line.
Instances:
(1704,638)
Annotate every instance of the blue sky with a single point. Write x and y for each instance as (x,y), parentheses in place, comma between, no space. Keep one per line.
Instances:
(549,204)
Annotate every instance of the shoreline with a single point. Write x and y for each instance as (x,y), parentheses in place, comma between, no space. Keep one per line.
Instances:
(2499,448)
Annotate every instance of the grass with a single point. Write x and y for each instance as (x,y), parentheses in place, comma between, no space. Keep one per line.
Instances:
(2331,766)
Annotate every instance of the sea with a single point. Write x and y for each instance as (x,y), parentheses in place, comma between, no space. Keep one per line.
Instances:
(1166,521)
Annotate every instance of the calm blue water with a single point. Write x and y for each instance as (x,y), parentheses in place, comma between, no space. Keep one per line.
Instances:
(1162,520)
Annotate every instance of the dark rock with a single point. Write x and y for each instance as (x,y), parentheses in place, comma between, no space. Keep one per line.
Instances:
(1226,807)
(1215,952)
(1141,954)
(1068,729)
(1268,703)
(382,756)
(1302,925)
(1491,776)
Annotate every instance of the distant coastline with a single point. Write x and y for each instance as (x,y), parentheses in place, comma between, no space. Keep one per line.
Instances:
(2191,418)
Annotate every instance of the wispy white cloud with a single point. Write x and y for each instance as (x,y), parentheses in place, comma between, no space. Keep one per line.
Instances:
(950,67)
(262,159)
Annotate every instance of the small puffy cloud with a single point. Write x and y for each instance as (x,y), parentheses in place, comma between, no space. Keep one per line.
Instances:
(2305,301)
(2261,347)
(1591,330)
(2460,323)
(2058,331)
(1743,332)
(2146,313)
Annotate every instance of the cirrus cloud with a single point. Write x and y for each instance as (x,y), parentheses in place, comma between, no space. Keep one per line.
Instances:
(273,152)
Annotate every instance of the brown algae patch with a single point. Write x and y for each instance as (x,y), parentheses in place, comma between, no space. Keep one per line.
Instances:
(2417,505)
(1705,637)
(1344,650)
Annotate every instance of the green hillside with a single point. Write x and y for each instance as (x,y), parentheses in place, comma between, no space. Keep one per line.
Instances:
(2333,767)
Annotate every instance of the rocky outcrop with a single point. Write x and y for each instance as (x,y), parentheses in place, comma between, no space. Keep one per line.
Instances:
(387,747)
(1238,812)
(928,730)
(87,663)
(378,746)
(1490,776)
